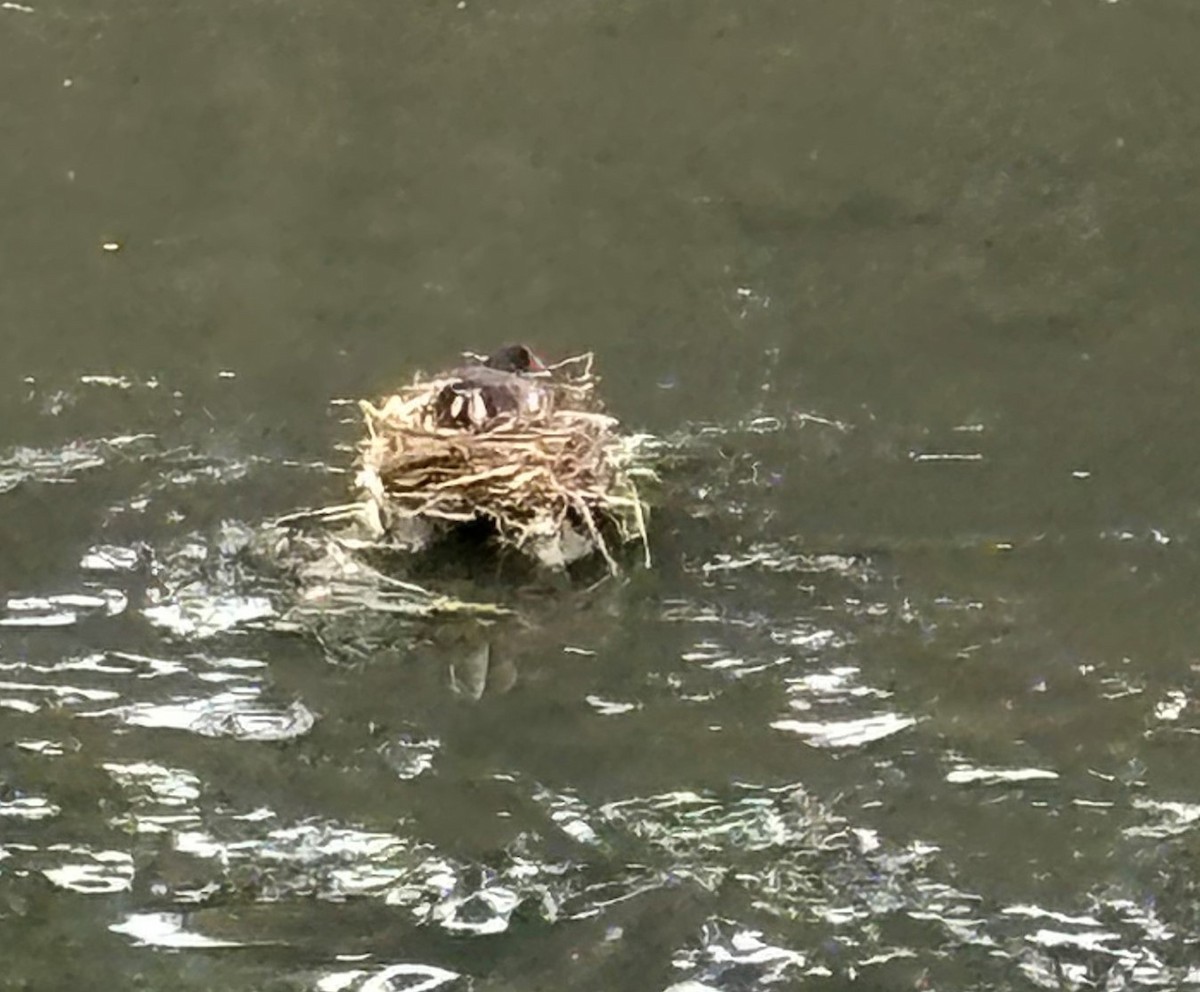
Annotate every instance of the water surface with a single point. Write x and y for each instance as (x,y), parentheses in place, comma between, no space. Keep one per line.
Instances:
(906,698)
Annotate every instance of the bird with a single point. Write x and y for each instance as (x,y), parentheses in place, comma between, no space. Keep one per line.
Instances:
(510,382)
(515,358)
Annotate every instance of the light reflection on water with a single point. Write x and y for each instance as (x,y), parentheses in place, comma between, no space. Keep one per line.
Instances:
(765,660)
(908,293)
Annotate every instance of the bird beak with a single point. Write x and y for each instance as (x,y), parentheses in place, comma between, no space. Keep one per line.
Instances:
(536,364)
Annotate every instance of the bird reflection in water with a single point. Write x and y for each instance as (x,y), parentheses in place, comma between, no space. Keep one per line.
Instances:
(483,657)
(478,661)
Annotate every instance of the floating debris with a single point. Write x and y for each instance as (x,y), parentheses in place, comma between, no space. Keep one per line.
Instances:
(333,580)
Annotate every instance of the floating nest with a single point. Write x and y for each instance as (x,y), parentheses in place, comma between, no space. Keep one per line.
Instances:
(534,459)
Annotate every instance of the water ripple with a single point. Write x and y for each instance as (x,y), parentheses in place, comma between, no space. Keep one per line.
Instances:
(62,609)
(391,978)
(66,463)
(166,930)
(237,713)
(89,871)
(854,732)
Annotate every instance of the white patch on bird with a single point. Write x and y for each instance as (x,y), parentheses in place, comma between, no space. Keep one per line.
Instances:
(479,410)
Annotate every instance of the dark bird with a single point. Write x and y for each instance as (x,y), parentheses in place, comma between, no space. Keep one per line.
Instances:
(514,358)
(508,383)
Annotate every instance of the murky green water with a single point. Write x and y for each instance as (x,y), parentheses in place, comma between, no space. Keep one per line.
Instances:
(907,699)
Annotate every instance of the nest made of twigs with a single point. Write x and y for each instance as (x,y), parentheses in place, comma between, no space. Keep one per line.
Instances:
(553,474)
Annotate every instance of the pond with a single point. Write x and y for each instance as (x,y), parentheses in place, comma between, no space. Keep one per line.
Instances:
(907,293)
